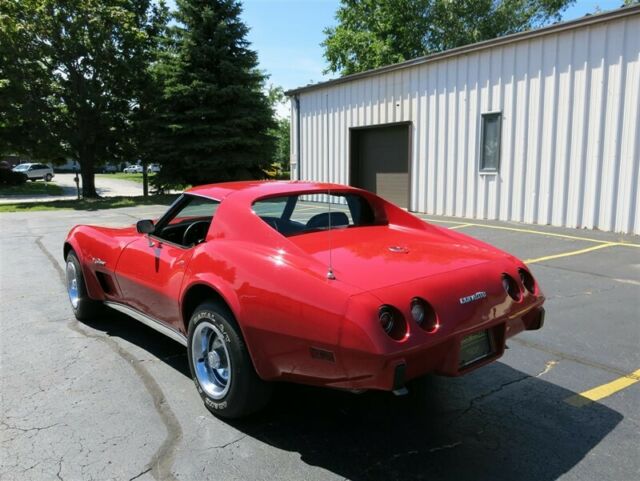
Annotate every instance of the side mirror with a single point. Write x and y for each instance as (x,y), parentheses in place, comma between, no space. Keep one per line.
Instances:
(145,226)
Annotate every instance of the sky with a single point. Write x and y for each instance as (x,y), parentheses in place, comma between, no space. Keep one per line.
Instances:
(287,35)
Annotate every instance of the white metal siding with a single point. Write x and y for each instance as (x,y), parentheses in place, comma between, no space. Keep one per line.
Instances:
(570,145)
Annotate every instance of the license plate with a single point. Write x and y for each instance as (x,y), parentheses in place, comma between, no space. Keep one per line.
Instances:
(475,347)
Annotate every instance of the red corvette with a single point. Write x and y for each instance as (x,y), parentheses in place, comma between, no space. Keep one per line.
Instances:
(320,284)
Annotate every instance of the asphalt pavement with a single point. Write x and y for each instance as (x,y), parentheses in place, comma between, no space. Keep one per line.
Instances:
(112,399)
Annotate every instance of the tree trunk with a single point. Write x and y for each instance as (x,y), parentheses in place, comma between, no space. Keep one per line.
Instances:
(88,177)
(145,179)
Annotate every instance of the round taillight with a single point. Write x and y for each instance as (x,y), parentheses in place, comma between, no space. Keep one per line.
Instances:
(424,314)
(387,319)
(392,322)
(511,287)
(527,279)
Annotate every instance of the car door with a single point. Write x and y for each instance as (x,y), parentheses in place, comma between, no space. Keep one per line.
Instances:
(38,170)
(150,274)
(151,269)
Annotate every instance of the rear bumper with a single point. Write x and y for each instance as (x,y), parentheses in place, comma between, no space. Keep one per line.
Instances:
(390,372)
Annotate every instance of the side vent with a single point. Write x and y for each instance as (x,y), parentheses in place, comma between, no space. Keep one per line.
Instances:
(106,283)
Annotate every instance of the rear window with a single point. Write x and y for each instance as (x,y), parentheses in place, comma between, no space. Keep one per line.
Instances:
(299,214)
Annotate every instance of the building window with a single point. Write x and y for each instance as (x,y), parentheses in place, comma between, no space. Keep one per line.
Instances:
(490,148)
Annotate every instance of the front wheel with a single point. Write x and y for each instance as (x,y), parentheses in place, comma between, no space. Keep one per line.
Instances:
(221,366)
(83,306)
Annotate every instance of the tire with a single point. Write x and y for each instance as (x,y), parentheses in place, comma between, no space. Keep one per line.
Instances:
(84,308)
(48,177)
(238,393)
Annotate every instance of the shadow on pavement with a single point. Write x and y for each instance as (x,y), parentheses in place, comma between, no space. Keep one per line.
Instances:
(497,423)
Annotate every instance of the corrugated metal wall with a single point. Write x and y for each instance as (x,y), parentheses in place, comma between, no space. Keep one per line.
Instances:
(570,128)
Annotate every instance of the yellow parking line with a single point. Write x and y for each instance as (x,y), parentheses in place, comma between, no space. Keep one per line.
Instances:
(606,390)
(460,226)
(569,254)
(540,232)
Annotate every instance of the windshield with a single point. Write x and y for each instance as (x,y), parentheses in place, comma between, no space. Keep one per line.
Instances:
(21,167)
(303,213)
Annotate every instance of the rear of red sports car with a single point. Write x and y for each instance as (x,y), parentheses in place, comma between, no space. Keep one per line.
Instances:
(432,300)
(423,299)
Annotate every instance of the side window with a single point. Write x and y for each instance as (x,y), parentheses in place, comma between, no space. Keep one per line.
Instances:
(198,208)
(490,142)
(187,222)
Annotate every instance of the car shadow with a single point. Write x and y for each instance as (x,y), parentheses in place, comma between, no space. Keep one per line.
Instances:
(496,423)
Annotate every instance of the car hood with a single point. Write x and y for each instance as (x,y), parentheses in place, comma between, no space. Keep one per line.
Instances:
(373,257)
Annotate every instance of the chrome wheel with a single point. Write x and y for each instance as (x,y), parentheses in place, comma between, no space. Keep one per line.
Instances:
(211,360)
(72,284)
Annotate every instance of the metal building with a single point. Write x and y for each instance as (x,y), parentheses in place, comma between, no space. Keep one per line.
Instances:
(540,127)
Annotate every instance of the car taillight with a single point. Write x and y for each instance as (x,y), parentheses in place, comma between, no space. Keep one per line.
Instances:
(392,322)
(527,279)
(424,314)
(511,287)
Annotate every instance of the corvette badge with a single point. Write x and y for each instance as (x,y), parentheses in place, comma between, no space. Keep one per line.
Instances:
(473,297)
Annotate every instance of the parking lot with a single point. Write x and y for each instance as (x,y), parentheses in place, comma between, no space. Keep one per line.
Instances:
(112,399)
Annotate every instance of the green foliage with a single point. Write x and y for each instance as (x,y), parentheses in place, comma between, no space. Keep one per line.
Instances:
(89,204)
(281,133)
(373,33)
(30,188)
(211,121)
(71,75)
(281,159)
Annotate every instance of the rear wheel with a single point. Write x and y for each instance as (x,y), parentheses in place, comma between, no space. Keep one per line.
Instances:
(83,306)
(48,177)
(221,366)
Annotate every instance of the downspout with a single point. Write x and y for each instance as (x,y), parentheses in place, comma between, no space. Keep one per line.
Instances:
(298,136)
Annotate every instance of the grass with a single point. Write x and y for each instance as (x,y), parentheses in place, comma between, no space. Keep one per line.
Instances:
(121,175)
(90,204)
(32,188)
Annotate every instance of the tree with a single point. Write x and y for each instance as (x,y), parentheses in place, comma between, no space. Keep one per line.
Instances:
(373,33)
(214,120)
(281,132)
(72,73)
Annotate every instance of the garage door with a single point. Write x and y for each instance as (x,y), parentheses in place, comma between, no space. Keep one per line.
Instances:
(380,161)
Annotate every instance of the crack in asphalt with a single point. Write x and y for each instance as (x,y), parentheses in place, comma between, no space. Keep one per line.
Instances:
(480,397)
(140,474)
(161,462)
(412,452)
